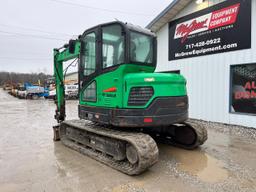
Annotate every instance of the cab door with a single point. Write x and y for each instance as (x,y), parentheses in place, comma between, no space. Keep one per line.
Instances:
(88,67)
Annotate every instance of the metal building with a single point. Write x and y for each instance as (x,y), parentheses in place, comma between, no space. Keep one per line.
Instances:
(213,44)
(71,78)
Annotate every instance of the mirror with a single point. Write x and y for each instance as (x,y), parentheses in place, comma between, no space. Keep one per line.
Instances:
(72,46)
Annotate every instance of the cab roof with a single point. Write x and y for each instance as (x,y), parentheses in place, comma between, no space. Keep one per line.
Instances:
(128,26)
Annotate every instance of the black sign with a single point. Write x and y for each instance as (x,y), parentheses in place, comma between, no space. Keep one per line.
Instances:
(220,28)
(243,88)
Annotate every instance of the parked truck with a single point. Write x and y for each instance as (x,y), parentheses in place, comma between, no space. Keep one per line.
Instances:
(71,92)
(30,91)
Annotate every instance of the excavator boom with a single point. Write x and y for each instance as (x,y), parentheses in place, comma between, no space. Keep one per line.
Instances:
(61,55)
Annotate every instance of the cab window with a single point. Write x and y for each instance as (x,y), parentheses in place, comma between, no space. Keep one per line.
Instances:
(89,54)
(90,93)
(112,45)
(141,48)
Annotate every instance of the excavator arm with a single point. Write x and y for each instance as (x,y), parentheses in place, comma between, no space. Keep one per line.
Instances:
(65,53)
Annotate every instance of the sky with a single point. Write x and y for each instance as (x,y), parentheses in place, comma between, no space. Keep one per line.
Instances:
(30,29)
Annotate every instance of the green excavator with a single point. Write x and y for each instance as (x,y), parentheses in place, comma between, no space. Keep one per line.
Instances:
(124,106)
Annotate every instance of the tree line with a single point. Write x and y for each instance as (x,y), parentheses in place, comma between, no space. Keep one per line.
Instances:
(14,78)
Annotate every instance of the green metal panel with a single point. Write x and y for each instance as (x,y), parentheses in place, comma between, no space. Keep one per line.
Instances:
(164,85)
(130,75)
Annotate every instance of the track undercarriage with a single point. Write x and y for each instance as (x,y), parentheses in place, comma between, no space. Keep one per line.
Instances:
(130,152)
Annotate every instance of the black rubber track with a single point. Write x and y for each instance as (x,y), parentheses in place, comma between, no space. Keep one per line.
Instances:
(146,147)
(199,130)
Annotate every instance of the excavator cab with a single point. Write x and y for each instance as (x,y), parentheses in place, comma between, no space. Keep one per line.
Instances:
(122,96)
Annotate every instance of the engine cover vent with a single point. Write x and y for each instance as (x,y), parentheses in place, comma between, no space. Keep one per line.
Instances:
(139,96)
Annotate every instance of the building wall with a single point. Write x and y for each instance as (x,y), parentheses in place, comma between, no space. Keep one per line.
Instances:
(72,77)
(209,76)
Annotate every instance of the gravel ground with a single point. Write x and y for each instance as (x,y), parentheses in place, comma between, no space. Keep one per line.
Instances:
(233,130)
(31,161)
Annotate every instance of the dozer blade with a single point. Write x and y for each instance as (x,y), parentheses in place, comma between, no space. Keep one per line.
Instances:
(129,152)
